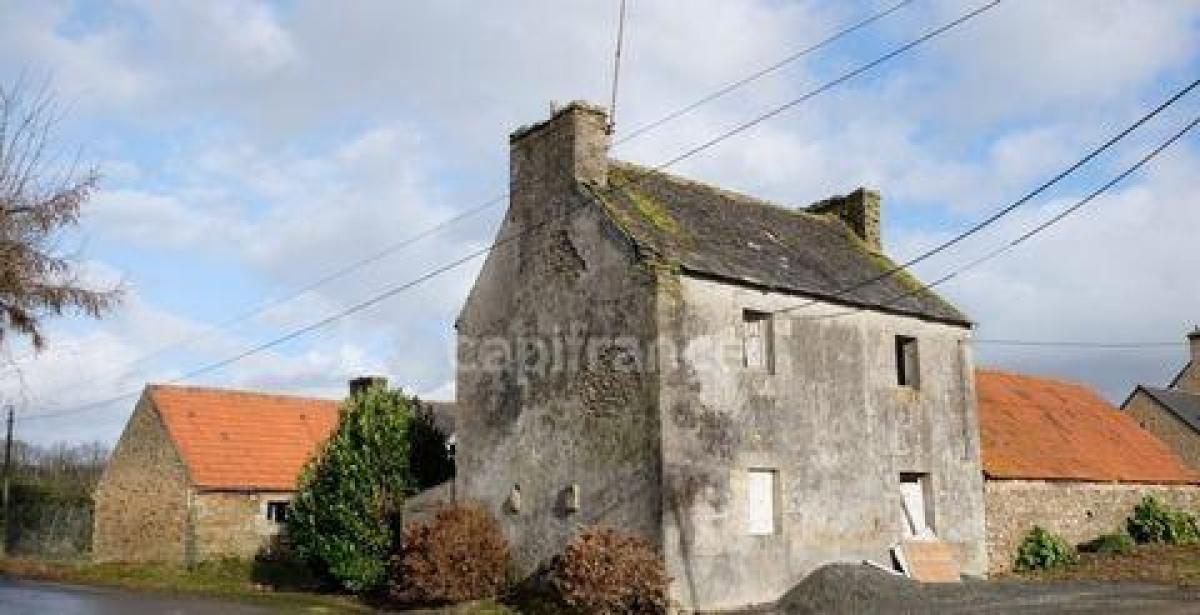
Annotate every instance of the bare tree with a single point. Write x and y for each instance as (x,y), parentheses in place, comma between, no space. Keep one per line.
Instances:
(39,200)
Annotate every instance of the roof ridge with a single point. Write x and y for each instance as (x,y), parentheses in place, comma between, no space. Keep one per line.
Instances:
(1055,379)
(1169,391)
(732,194)
(243,392)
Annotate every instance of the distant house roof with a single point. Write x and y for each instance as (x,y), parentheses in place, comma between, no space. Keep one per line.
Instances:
(1041,428)
(243,440)
(713,232)
(1184,405)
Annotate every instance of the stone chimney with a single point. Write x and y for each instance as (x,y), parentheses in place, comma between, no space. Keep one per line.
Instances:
(545,159)
(362,383)
(859,210)
(1194,342)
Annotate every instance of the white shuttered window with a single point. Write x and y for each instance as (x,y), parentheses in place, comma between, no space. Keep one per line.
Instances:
(760,501)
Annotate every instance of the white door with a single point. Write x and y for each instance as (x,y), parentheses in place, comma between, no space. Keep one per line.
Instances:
(912,497)
(760,502)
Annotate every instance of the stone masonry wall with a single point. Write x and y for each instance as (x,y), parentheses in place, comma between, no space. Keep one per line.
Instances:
(141,500)
(829,419)
(232,524)
(1076,510)
(1189,379)
(1163,423)
(557,427)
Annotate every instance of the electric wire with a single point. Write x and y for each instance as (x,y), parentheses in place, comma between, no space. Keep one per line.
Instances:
(395,290)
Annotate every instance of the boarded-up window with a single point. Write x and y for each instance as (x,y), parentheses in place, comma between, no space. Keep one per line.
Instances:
(908,364)
(756,341)
(760,501)
(915,505)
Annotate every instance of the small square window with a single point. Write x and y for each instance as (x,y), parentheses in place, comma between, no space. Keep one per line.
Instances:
(757,346)
(908,364)
(277,511)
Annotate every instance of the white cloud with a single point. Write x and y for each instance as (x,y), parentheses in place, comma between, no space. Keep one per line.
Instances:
(285,141)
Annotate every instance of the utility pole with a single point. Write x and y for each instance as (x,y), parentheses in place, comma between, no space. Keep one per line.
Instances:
(7,457)
(7,472)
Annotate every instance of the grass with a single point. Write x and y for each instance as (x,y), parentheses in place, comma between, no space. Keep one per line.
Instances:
(277,585)
(1150,563)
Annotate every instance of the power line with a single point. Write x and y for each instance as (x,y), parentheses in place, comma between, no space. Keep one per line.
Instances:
(437,228)
(1007,209)
(616,78)
(1130,170)
(1072,209)
(395,290)
(756,75)
(1069,344)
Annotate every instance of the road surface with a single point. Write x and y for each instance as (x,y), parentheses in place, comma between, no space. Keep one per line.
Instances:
(36,598)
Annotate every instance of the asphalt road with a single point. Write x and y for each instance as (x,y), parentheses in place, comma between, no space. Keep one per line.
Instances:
(35,598)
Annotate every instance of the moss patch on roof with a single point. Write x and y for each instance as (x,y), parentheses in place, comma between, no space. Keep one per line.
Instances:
(712,231)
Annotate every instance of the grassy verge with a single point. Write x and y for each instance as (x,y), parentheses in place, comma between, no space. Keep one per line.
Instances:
(273,585)
(1160,564)
(230,579)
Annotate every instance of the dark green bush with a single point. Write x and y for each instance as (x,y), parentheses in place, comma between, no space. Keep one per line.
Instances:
(1042,550)
(1109,544)
(1154,521)
(429,456)
(345,519)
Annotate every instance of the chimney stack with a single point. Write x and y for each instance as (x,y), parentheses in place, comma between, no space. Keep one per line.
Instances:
(548,157)
(363,383)
(859,210)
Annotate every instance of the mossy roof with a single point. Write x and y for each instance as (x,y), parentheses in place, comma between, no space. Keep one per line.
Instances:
(714,232)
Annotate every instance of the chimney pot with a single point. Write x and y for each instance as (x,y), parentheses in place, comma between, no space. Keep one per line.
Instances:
(363,383)
(571,145)
(859,210)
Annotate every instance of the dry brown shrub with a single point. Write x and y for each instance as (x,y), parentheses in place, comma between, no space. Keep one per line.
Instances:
(457,556)
(604,571)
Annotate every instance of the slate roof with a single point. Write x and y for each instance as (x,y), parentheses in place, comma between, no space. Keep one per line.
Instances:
(714,232)
(243,440)
(1041,428)
(1184,405)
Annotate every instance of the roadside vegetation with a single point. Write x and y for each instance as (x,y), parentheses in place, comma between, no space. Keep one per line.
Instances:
(1158,544)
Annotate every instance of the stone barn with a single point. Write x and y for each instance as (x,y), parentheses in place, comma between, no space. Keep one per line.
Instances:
(204,473)
(1057,455)
(1173,412)
(711,371)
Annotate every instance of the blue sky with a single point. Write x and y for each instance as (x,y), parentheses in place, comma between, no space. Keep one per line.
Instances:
(249,148)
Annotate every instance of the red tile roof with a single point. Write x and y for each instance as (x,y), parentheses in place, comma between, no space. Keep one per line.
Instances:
(243,440)
(1041,428)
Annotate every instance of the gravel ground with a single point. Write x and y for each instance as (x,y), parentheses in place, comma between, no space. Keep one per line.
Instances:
(848,588)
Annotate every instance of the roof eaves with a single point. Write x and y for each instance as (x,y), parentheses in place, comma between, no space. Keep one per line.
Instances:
(749,283)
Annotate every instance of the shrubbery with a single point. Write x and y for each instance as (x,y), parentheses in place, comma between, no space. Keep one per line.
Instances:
(344,520)
(429,454)
(459,555)
(1119,543)
(607,572)
(1154,521)
(1042,550)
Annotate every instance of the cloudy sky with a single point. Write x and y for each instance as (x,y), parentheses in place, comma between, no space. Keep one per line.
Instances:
(251,148)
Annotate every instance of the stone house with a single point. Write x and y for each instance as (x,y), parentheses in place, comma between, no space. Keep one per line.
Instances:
(699,367)
(203,473)
(1173,413)
(1057,455)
